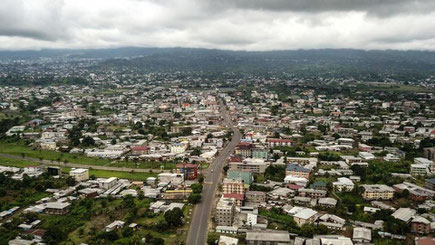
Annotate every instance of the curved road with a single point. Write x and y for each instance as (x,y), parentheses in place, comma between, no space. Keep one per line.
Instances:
(199,224)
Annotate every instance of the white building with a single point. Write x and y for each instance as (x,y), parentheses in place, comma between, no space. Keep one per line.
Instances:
(79,174)
(343,184)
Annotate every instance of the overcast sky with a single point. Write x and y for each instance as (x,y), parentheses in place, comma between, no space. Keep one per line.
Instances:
(222,24)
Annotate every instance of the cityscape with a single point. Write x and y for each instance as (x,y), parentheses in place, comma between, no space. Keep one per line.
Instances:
(219,142)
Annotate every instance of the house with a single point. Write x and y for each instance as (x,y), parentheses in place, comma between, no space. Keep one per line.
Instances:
(297,171)
(267,237)
(117,224)
(343,184)
(305,216)
(138,150)
(79,174)
(404,214)
(226,240)
(327,202)
(377,192)
(362,235)
(420,225)
(57,208)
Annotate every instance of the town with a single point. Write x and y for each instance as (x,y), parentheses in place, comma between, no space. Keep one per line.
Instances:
(263,161)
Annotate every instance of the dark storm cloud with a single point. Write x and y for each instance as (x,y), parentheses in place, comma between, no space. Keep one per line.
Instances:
(375,7)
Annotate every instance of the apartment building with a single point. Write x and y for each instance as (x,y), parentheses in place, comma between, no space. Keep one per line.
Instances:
(377,192)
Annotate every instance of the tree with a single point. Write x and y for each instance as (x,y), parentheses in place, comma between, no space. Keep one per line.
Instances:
(174,217)
(194,198)
(307,230)
(88,141)
(70,181)
(113,142)
(200,179)
(196,188)
(196,151)
(54,235)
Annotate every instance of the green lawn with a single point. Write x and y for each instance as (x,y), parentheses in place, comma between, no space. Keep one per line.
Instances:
(20,149)
(122,175)
(19,163)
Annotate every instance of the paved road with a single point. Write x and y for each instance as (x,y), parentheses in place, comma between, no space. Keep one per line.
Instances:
(199,224)
(76,165)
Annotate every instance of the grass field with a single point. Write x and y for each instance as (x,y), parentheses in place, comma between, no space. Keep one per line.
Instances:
(20,150)
(121,175)
(16,162)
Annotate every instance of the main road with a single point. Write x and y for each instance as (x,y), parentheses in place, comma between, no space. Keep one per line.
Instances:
(199,223)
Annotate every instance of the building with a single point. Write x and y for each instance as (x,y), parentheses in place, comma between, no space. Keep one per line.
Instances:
(256,165)
(297,171)
(312,193)
(260,153)
(108,183)
(57,208)
(305,216)
(416,192)
(404,214)
(224,212)
(377,192)
(245,175)
(178,148)
(226,240)
(361,234)
(419,169)
(233,186)
(79,174)
(343,184)
(239,198)
(244,149)
(272,142)
(420,225)
(429,153)
(430,184)
(190,171)
(267,237)
(138,150)
(255,196)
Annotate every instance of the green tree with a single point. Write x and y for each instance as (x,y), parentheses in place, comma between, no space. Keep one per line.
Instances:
(174,217)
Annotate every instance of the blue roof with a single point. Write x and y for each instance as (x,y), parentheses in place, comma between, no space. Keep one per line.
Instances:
(293,167)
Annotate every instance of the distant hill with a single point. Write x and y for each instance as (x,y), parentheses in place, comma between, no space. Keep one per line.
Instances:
(326,62)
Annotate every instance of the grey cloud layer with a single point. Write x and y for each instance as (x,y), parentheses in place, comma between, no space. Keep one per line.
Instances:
(226,24)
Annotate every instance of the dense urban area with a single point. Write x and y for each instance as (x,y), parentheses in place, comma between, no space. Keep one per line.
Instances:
(94,150)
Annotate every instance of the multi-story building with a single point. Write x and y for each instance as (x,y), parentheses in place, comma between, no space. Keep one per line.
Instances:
(256,165)
(297,171)
(255,196)
(312,193)
(377,192)
(420,225)
(260,153)
(419,169)
(224,212)
(190,171)
(233,186)
(272,142)
(244,149)
(430,184)
(79,174)
(245,175)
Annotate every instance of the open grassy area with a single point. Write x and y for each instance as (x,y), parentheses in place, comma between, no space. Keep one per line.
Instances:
(122,175)
(19,163)
(20,149)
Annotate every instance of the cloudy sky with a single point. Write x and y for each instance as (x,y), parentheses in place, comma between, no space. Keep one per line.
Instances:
(223,24)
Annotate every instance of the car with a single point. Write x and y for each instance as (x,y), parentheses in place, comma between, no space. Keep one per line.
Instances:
(212,170)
